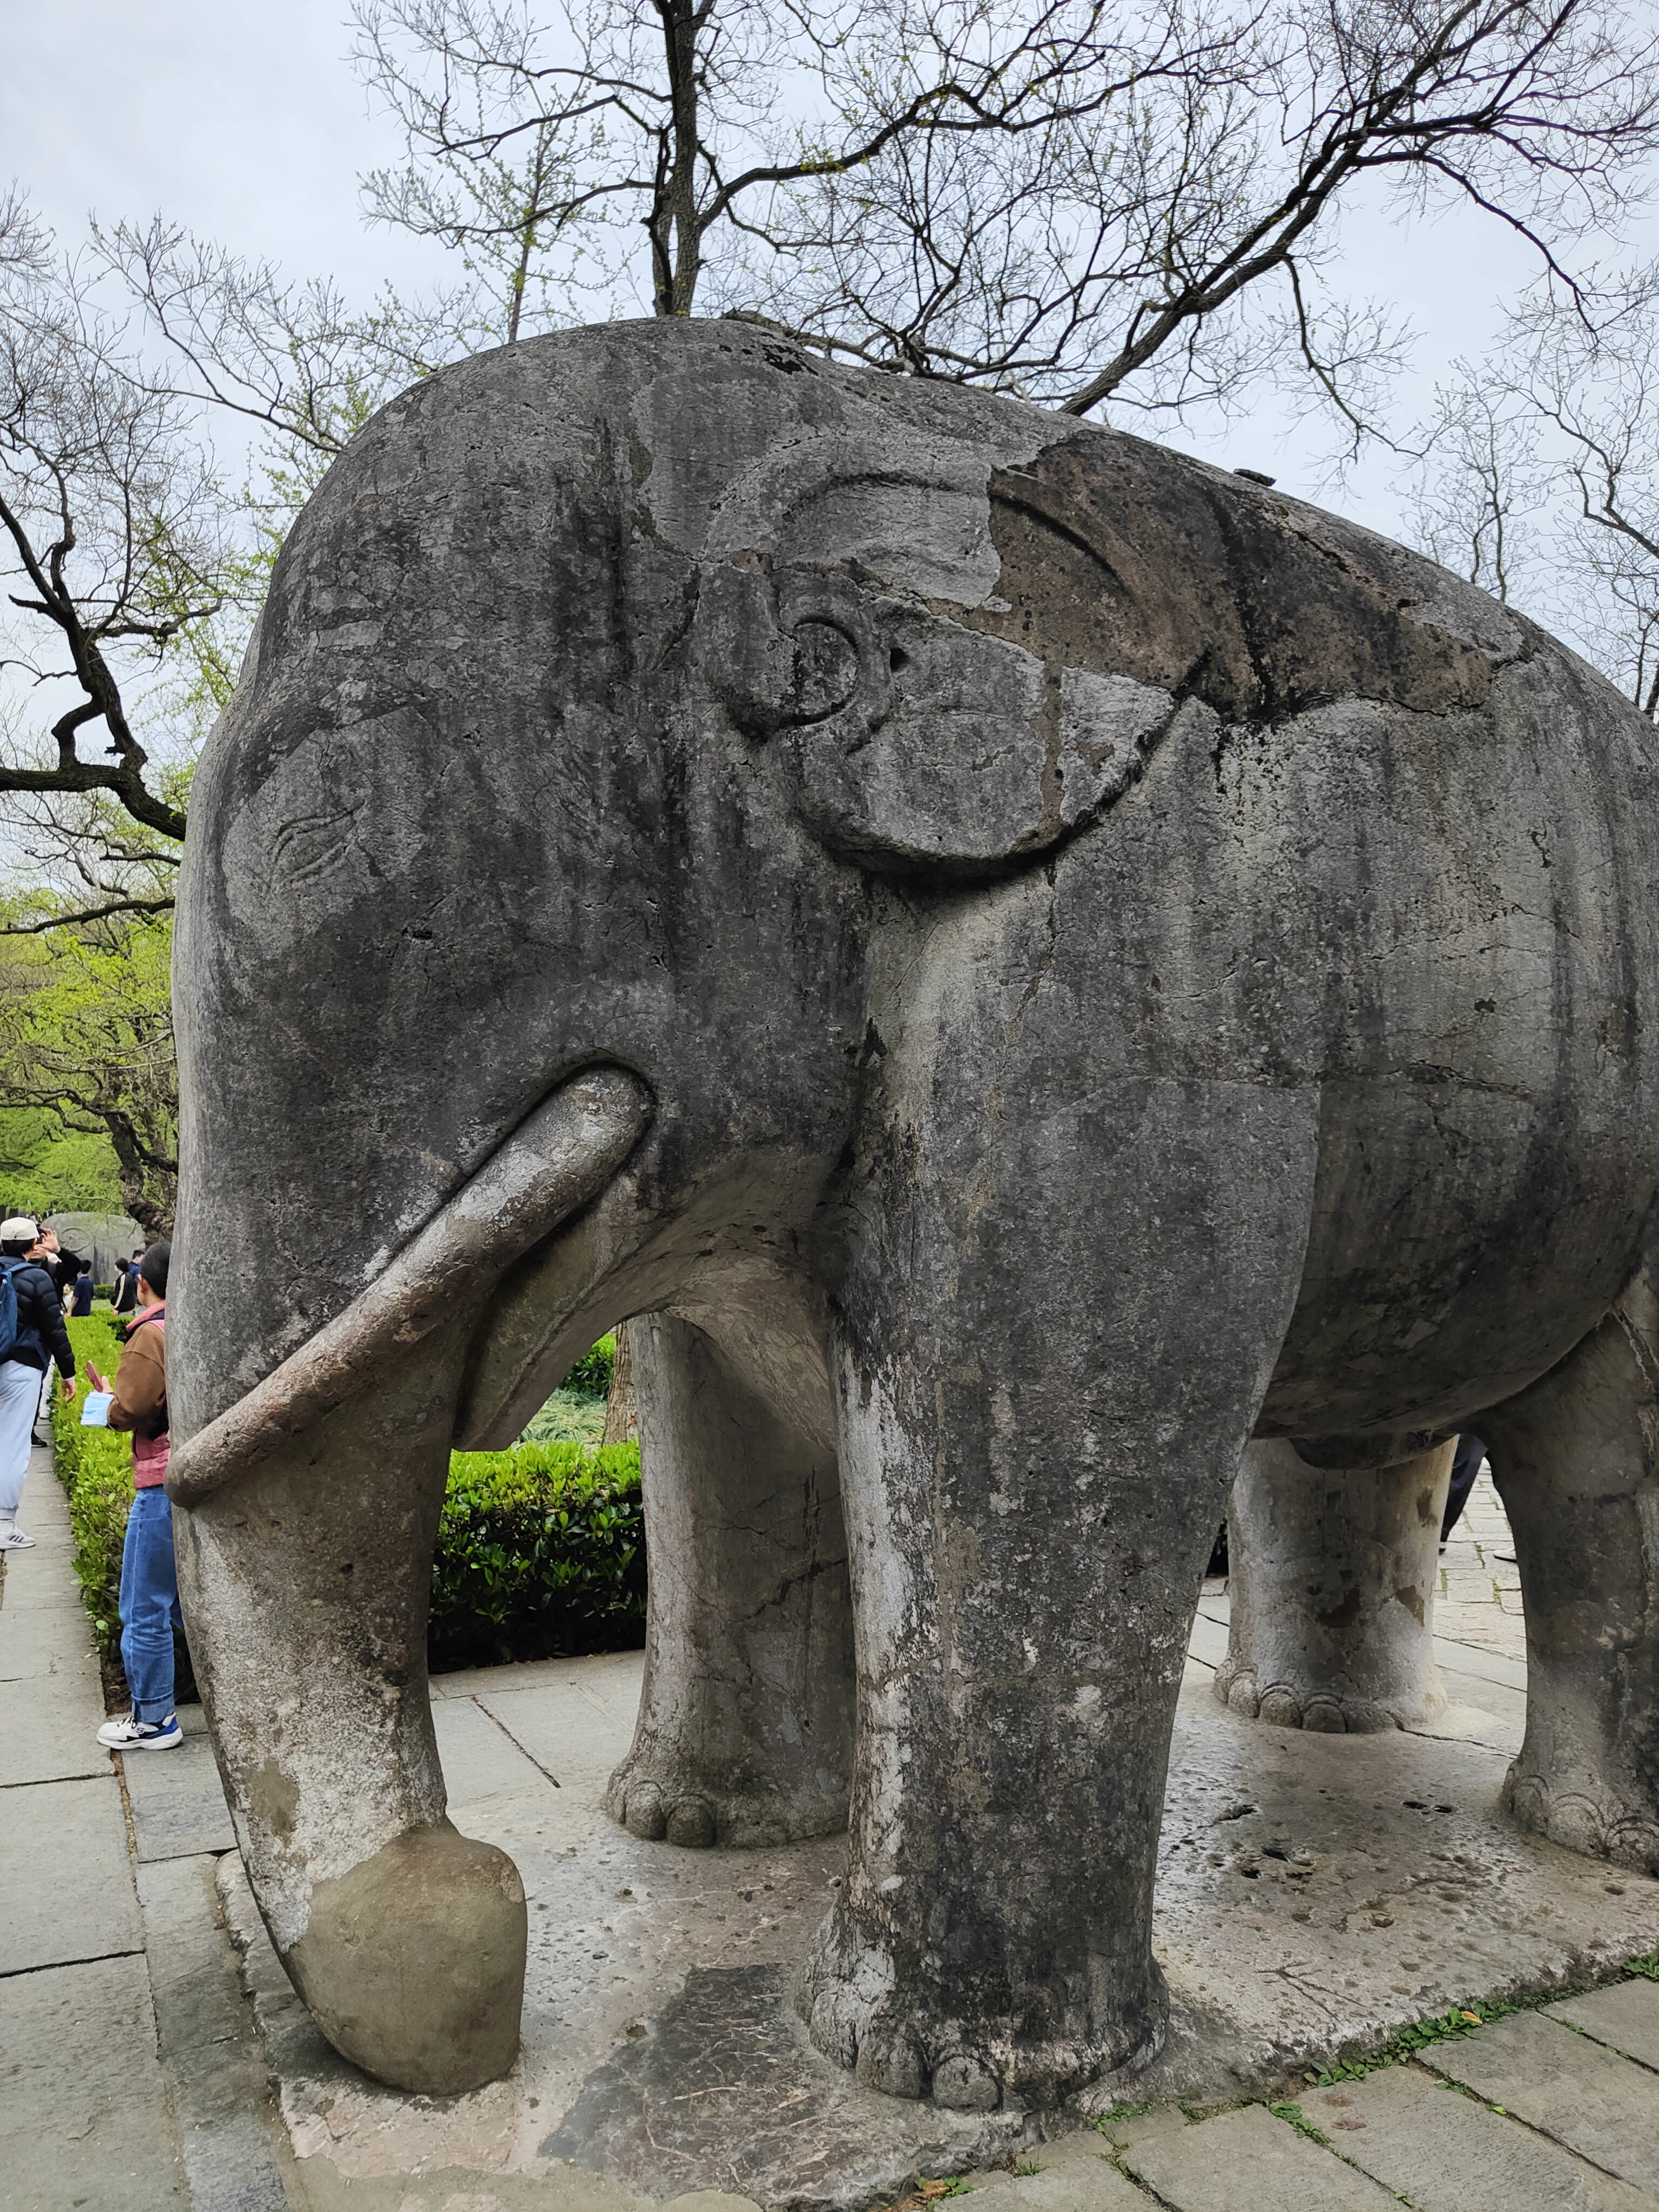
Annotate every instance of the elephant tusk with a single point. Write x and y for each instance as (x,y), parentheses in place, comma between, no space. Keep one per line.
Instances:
(557,1159)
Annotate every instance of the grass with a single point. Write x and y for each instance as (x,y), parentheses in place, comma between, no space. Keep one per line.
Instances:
(1294,2117)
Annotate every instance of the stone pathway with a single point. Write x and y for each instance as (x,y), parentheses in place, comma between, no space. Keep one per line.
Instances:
(1479,1601)
(145,2024)
(85,2117)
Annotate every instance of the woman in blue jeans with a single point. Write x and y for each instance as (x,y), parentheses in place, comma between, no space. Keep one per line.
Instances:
(149,1579)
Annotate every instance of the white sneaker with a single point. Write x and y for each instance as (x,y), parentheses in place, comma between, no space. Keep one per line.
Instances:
(12,1539)
(131,1734)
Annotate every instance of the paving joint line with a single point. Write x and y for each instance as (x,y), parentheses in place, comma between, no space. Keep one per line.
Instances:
(1527,2126)
(51,1781)
(51,1965)
(513,1741)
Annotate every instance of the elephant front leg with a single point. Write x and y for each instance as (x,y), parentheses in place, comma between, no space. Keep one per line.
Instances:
(1576,1460)
(304,1587)
(1055,1350)
(1331,1578)
(745,1734)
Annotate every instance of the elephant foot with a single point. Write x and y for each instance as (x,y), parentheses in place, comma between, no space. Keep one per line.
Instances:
(1324,1710)
(413,1962)
(1578,1821)
(662,1797)
(895,2039)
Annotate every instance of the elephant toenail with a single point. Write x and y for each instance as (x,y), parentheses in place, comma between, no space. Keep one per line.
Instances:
(691,1824)
(646,1818)
(891,2064)
(964,2083)
(1281,1708)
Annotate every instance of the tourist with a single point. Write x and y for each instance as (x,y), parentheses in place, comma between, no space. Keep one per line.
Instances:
(40,1337)
(126,1284)
(150,1579)
(80,1303)
(63,1267)
(1465,1465)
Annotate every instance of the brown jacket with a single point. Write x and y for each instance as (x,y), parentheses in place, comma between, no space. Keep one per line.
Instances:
(141,1396)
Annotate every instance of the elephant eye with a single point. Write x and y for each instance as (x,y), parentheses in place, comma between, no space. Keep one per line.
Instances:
(826,670)
(307,846)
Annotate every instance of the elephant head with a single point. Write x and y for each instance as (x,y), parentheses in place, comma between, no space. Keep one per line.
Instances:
(610,690)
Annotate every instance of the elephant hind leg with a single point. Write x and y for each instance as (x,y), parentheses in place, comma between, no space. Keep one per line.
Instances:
(1331,1578)
(745,1734)
(1576,1460)
(306,1588)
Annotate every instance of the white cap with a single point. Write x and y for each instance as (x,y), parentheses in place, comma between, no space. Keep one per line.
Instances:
(20,1230)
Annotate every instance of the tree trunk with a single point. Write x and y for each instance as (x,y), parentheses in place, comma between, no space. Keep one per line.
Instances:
(622,1413)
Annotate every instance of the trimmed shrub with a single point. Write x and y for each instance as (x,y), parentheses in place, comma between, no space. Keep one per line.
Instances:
(591,1376)
(540,1549)
(95,1467)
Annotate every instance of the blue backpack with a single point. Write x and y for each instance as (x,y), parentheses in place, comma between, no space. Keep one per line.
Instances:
(9,1307)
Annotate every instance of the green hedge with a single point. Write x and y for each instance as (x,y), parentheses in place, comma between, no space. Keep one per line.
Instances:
(540,1550)
(95,1467)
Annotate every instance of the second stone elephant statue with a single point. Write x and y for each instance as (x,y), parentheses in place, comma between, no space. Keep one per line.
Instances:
(1030,962)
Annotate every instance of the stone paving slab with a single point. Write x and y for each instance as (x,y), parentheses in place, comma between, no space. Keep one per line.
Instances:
(1448,2154)
(1075,2175)
(68,1880)
(481,1761)
(210,2047)
(1246,2161)
(83,2112)
(1626,2017)
(579,1723)
(1598,2104)
(55,1743)
(177,1801)
(43,1640)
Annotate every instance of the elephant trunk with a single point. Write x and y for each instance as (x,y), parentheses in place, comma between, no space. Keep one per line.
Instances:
(305,1571)
(559,1159)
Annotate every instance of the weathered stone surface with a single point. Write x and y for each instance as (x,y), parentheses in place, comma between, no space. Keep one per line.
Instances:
(1626,2017)
(1584,2096)
(1033,946)
(724,2084)
(1244,2161)
(1331,1587)
(1473,1909)
(1446,2154)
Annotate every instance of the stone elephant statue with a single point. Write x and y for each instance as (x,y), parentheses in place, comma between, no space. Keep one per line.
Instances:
(1029,961)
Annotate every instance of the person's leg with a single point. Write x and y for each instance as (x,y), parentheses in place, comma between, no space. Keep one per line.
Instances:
(1465,1465)
(18,1386)
(149,1602)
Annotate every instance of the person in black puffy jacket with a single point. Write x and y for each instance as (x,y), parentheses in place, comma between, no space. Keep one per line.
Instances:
(41,1337)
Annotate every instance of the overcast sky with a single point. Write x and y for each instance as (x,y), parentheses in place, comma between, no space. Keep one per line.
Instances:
(245,123)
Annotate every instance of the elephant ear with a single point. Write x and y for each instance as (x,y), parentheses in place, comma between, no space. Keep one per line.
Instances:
(914,743)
